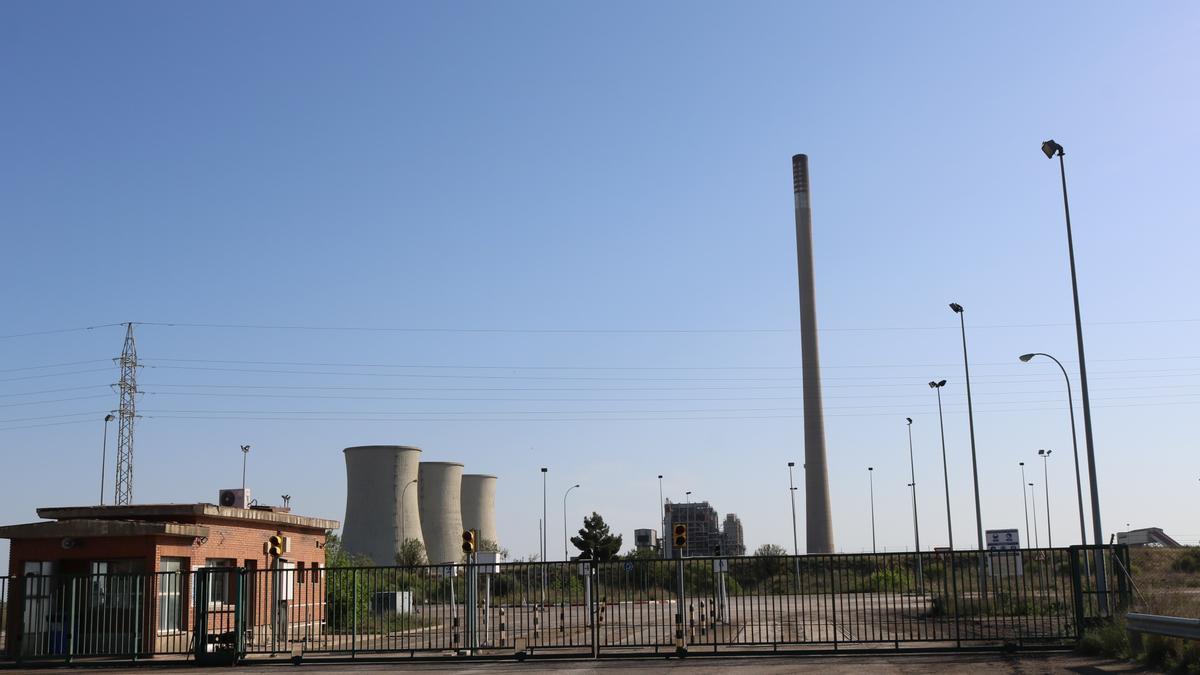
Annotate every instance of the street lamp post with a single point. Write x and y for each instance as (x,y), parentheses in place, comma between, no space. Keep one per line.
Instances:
(662,514)
(1033,498)
(1045,455)
(104,455)
(544,521)
(403,492)
(1050,148)
(1025,503)
(937,386)
(916,527)
(566,555)
(1074,443)
(958,309)
(245,454)
(792,494)
(871,479)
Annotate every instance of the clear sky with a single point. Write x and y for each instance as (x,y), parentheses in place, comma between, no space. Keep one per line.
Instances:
(597,197)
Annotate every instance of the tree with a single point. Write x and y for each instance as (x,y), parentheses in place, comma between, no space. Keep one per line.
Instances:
(595,538)
(411,553)
(770,550)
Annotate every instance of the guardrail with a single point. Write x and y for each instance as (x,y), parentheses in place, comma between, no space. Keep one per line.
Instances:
(1167,626)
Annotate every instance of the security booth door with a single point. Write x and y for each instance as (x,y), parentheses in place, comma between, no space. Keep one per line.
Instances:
(37,610)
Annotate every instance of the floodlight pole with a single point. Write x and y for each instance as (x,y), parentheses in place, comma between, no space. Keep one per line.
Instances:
(1051,148)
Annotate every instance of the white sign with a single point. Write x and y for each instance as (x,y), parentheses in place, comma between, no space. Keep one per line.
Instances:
(1004,540)
(720,565)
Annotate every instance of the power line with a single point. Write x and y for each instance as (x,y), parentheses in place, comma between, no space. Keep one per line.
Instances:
(73,372)
(55,365)
(59,330)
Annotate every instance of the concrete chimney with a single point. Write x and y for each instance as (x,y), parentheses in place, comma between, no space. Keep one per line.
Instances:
(817,514)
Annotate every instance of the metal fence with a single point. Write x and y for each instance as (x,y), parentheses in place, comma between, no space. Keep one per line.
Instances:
(694,605)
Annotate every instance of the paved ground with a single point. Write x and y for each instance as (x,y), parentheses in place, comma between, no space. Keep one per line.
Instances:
(976,664)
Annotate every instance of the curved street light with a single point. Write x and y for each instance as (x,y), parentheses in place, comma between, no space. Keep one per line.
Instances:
(566,556)
(402,493)
(1026,358)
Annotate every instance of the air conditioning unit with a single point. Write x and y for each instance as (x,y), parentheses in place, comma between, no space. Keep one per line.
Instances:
(234,498)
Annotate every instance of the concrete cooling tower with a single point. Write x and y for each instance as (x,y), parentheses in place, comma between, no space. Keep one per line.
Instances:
(381,500)
(439,485)
(479,505)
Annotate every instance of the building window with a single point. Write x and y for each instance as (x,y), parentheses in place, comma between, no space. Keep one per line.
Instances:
(316,573)
(117,584)
(220,584)
(170,593)
(299,573)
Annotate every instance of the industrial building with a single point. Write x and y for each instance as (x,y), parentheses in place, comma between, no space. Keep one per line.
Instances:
(732,541)
(479,506)
(393,496)
(704,534)
(645,540)
(439,496)
(128,552)
(381,500)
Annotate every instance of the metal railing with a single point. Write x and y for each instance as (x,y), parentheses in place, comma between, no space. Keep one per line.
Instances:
(715,605)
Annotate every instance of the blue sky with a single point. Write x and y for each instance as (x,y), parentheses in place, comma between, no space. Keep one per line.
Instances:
(606,190)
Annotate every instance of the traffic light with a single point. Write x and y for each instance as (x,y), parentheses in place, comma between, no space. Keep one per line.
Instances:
(680,533)
(468,545)
(717,550)
(275,545)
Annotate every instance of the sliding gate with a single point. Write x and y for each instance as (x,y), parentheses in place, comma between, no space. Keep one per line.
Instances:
(639,605)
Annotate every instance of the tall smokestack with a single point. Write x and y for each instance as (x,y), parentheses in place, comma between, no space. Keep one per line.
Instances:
(817,518)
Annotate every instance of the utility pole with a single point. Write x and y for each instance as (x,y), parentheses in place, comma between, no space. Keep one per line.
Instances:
(125,418)
(245,454)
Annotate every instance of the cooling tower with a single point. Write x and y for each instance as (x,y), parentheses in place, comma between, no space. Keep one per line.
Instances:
(381,500)
(439,486)
(818,519)
(479,505)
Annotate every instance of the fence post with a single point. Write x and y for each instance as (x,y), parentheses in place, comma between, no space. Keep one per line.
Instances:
(1077,592)
(594,601)
(680,639)
(239,614)
(200,617)
(70,623)
(353,612)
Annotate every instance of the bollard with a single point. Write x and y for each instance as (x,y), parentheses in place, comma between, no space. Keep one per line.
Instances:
(503,629)
(562,619)
(703,620)
(454,637)
(537,620)
(691,622)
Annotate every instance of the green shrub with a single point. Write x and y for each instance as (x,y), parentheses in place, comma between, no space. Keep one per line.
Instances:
(1110,639)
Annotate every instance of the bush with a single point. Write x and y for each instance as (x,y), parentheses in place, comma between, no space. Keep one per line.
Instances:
(1188,562)
(1110,639)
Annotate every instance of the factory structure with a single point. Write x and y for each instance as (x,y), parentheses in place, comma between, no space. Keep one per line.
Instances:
(392,496)
(705,534)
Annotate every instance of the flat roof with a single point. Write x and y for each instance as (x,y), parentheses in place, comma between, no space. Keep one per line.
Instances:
(175,511)
(100,528)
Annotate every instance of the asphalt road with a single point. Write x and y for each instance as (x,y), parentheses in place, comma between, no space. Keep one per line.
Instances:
(976,664)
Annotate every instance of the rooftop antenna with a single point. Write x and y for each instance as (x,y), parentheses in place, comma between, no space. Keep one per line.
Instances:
(125,416)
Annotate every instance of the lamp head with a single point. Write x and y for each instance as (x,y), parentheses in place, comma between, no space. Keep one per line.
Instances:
(791,464)
(1026,357)
(956,307)
(544,469)
(870,468)
(1051,149)
(109,417)
(660,476)
(909,420)
(941,383)
(575,485)
(1021,463)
